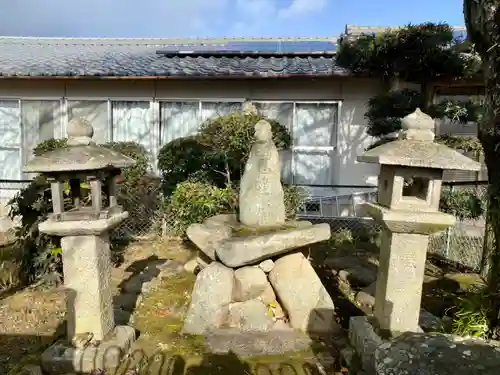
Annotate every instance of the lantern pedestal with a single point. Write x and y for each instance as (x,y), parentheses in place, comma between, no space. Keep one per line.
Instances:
(92,337)
(403,251)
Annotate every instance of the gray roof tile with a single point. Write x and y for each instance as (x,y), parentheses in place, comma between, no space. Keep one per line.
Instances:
(25,57)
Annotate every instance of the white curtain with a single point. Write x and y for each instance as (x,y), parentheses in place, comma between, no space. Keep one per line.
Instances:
(314,124)
(210,110)
(314,140)
(10,141)
(178,119)
(283,113)
(41,120)
(132,123)
(96,112)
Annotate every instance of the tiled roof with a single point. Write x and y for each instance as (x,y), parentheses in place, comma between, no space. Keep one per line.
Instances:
(95,57)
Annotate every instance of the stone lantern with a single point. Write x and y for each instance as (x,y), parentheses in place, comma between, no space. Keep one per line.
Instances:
(409,188)
(85,242)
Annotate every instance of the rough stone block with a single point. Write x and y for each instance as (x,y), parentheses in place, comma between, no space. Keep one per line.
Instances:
(268,296)
(249,283)
(365,341)
(61,358)
(250,316)
(266,265)
(212,294)
(303,296)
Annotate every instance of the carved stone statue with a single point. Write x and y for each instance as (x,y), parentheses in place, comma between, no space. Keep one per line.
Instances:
(261,194)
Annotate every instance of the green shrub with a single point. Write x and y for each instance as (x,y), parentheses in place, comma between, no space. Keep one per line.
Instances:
(186,158)
(49,145)
(230,138)
(462,204)
(386,110)
(470,315)
(217,154)
(132,176)
(294,200)
(194,201)
(33,204)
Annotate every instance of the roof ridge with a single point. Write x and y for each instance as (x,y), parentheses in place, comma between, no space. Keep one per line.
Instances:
(146,41)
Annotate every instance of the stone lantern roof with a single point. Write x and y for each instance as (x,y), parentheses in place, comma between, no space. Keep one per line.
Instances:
(416,148)
(82,154)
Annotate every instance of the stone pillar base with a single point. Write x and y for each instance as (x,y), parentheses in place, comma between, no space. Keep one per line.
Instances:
(63,358)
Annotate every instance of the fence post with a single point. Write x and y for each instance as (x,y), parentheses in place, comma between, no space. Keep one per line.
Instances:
(448,241)
(448,234)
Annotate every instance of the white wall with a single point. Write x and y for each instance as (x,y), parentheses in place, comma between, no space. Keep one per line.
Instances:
(353,93)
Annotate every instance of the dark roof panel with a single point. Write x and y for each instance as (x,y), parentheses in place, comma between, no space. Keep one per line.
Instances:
(35,57)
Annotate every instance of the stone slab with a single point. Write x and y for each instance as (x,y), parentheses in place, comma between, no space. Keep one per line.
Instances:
(62,358)
(249,344)
(81,228)
(415,222)
(207,238)
(429,354)
(245,250)
(365,341)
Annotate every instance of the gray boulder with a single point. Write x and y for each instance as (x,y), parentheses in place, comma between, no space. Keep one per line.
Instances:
(250,316)
(303,296)
(249,283)
(212,294)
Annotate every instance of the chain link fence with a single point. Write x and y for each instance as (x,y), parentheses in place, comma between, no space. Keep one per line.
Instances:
(463,242)
(341,207)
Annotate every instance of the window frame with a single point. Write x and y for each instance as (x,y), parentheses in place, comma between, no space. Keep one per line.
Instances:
(156,120)
(332,150)
(191,100)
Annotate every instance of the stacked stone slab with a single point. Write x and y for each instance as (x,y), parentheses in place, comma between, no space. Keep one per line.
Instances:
(254,277)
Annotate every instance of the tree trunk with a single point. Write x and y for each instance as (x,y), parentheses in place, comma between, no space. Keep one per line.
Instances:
(482,18)
(427,90)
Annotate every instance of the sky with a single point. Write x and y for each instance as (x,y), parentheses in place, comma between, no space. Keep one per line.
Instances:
(214,18)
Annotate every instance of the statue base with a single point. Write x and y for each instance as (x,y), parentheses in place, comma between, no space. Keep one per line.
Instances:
(63,358)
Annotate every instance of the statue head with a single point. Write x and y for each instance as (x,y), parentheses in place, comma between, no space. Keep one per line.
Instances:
(263,131)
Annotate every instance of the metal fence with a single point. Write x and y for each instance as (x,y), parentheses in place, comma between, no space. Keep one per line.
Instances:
(463,242)
(339,206)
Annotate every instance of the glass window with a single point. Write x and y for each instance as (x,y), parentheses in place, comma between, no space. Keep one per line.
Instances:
(314,128)
(10,140)
(313,168)
(41,120)
(10,129)
(96,112)
(178,119)
(281,112)
(132,123)
(211,110)
(314,124)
